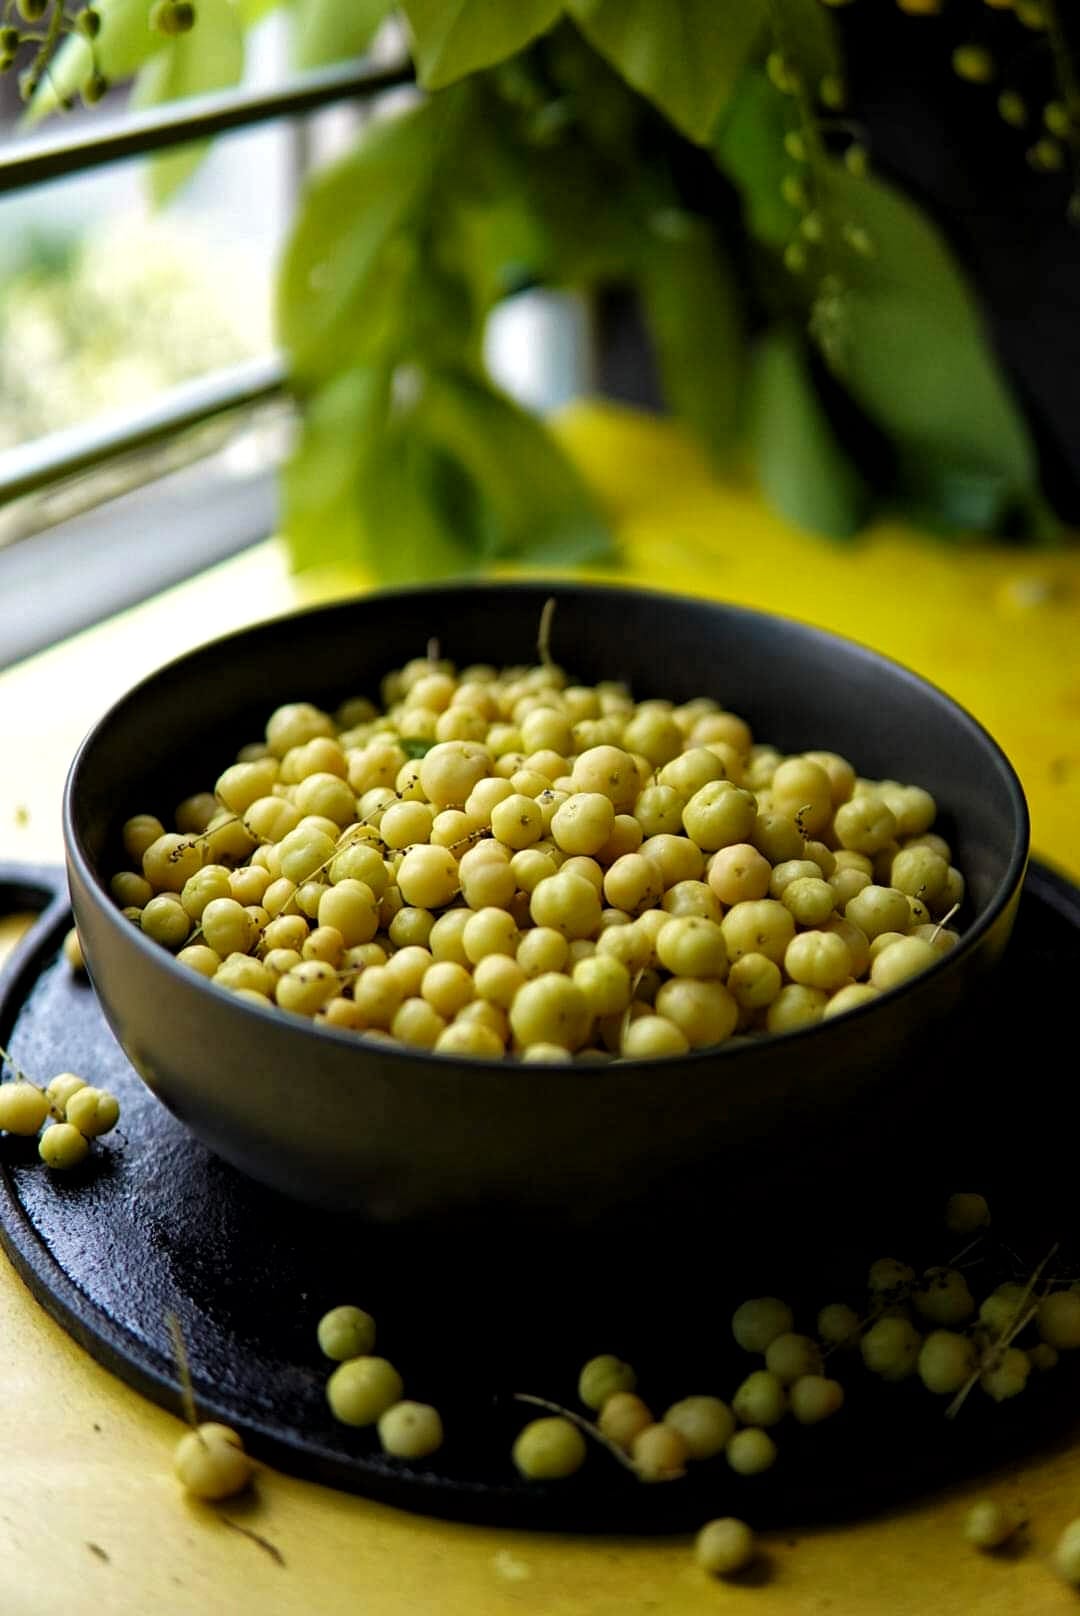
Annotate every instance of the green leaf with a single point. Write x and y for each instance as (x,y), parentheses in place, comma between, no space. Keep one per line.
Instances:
(253,11)
(414,746)
(342,433)
(749,147)
(804,471)
(210,57)
(410,516)
(124,43)
(692,306)
(686,55)
(454,37)
(329,31)
(538,507)
(914,353)
(351,254)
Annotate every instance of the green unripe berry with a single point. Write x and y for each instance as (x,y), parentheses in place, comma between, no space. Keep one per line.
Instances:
(966,1213)
(362,1389)
(1032,13)
(549,1449)
(602,1377)
(346,1332)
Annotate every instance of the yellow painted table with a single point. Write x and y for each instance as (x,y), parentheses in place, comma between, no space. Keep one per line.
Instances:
(90,1517)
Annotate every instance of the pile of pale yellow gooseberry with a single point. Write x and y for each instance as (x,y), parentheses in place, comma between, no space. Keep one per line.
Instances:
(503,862)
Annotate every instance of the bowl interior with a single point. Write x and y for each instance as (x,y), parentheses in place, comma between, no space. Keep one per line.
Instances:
(797,686)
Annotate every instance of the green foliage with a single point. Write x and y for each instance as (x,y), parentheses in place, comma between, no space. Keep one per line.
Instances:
(124,42)
(210,57)
(691,302)
(804,470)
(577,151)
(916,359)
(327,31)
(685,55)
(454,37)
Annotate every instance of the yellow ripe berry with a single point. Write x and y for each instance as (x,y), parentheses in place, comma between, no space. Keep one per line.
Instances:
(706,1425)
(361,1389)
(211,1463)
(989,1523)
(23,1108)
(622,1417)
(62,1146)
(602,1377)
(410,1430)
(72,950)
(659,1453)
(93,1111)
(726,1546)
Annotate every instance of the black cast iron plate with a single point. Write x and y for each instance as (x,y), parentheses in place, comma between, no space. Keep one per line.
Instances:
(473,1312)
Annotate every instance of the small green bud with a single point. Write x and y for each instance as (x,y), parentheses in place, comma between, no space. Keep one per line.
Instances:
(172,17)
(858,240)
(793,191)
(781,73)
(95,88)
(795,145)
(9,41)
(856,161)
(1012,108)
(1046,155)
(973,63)
(812,228)
(831,92)
(32,10)
(88,23)
(795,257)
(1056,118)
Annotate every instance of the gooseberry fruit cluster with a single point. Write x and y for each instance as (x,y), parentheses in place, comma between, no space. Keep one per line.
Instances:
(504,862)
(367,1390)
(68,1113)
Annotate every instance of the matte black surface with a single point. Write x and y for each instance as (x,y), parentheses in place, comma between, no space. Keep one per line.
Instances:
(399,1134)
(153,1222)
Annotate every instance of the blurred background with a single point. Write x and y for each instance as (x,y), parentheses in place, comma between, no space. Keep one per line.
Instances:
(771,220)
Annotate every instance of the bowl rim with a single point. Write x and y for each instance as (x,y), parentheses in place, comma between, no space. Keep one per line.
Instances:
(540,589)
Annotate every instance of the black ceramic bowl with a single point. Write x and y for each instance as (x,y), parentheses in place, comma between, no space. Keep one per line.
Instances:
(396,1133)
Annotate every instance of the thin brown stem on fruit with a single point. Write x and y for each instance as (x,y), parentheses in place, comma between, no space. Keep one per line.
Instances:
(183,1369)
(587,1427)
(1022,1316)
(20,1075)
(543,637)
(944,921)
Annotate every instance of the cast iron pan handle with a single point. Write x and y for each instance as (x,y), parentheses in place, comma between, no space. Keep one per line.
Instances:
(38,887)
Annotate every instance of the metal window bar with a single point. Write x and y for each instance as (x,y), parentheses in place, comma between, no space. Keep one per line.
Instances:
(235,517)
(54,157)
